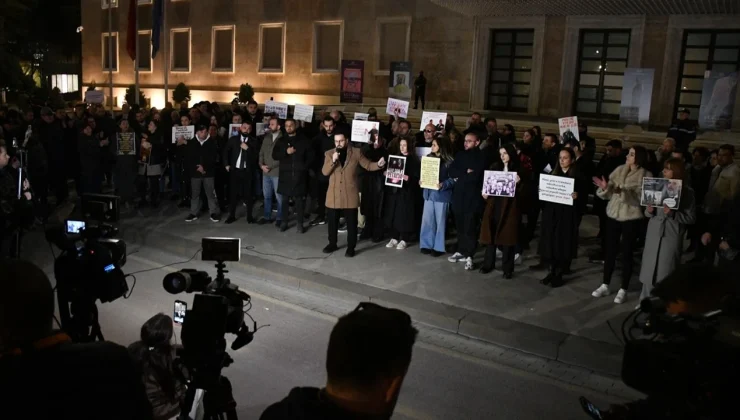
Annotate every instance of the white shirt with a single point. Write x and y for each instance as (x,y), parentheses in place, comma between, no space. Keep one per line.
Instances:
(202,141)
(239,159)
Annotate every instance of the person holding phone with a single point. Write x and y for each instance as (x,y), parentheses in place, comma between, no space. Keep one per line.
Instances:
(154,357)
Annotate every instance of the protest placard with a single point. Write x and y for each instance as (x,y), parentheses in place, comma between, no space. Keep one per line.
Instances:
(437,119)
(94,96)
(397,107)
(303,113)
(569,128)
(361,130)
(234,129)
(556,189)
(394,173)
(126,144)
(278,108)
(499,183)
(187,132)
(659,192)
(423,151)
(261,128)
(361,116)
(430,172)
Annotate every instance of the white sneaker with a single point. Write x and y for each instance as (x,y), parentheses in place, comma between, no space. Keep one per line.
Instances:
(392,244)
(499,254)
(518,259)
(621,296)
(603,290)
(456,257)
(401,245)
(469,264)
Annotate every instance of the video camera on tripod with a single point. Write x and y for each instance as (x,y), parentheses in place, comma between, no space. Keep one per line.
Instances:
(88,269)
(218,309)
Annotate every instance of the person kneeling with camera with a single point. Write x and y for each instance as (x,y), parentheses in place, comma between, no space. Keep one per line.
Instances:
(43,375)
(154,355)
(368,357)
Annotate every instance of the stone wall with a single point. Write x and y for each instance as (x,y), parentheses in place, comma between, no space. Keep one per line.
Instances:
(553,54)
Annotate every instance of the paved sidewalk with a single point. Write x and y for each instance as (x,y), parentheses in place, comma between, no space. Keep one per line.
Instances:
(564,324)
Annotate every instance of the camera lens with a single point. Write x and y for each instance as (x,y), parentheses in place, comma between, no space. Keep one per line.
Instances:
(176,282)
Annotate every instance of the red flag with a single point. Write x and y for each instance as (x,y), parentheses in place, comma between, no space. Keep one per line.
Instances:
(131,35)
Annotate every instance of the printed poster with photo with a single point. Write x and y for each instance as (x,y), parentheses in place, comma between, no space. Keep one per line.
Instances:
(659,192)
(437,119)
(234,130)
(556,189)
(569,128)
(361,130)
(395,170)
(278,108)
(399,80)
(353,74)
(717,100)
(126,144)
(637,92)
(397,107)
(187,132)
(303,113)
(499,183)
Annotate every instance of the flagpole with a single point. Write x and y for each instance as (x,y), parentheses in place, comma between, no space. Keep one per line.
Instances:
(166,60)
(136,60)
(110,52)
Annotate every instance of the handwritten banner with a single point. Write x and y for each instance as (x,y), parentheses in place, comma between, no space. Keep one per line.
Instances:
(430,172)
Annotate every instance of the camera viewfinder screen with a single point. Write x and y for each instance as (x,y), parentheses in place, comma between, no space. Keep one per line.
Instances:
(75,226)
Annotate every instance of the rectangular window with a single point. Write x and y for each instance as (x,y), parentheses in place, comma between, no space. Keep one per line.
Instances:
(704,50)
(393,36)
(328,38)
(272,48)
(65,82)
(145,50)
(180,50)
(602,59)
(222,48)
(104,3)
(110,61)
(510,70)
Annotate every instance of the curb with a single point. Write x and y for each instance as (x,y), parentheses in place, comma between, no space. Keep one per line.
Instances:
(597,356)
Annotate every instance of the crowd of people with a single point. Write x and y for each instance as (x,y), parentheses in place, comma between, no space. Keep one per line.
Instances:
(301,168)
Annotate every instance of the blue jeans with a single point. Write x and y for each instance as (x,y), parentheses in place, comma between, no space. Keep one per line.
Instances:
(433,223)
(269,185)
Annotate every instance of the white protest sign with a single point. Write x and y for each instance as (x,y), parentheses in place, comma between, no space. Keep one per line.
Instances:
(261,128)
(423,151)
(303,113)
(437,119)
(397,107)
(187,132)
(94,96)
(278,108)
(556,189)
(569,128)
(361,130)
(361,116)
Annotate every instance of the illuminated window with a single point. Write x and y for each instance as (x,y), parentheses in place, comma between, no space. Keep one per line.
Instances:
(65,82)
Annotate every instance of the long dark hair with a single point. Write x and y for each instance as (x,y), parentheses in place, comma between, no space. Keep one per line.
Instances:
(559,169)
(154,354)
(445,149)
(514,164)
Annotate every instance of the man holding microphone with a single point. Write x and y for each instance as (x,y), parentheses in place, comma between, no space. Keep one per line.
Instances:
(342,197)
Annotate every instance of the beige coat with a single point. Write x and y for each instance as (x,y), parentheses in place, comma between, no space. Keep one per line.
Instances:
(625,205)
(344,189)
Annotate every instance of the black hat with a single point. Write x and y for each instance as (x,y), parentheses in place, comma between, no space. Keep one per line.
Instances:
(686,110)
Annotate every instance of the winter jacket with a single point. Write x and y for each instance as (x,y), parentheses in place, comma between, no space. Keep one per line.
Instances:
(344,189)
(625,205)
(205,155)
(265,156)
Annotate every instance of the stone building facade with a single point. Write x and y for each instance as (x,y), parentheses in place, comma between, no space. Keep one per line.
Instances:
(529,57)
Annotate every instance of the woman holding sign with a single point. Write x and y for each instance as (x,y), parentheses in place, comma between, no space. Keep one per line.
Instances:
(500,226)
(665,232)
(400,203)
(437,201)
(559,237)
(624,217)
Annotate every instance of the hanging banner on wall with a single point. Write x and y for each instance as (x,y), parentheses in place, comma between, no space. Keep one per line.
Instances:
(717,100)
(353,73)
(399,80)
(637,94)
